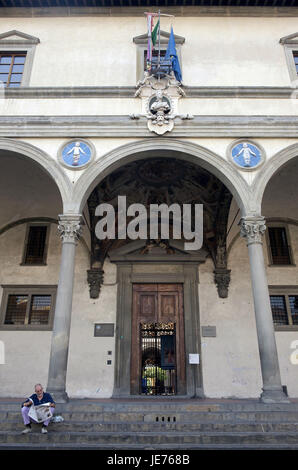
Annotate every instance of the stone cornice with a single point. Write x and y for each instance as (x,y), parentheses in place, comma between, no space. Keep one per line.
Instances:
(124,126)
(186,11)
(129,92)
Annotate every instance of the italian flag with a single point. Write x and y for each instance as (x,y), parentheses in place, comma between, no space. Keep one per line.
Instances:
(154,33)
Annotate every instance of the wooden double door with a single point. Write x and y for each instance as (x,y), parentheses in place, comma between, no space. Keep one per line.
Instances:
(158,345)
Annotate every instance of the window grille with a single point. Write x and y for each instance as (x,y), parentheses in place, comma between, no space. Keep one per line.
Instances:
(40,309)
(284,306)
(280,252)
(16,310)
(293,299)
(279,310)
(36,242)
(27,307)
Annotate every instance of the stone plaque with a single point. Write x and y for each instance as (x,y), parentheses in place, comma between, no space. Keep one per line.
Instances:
(209,331)
(104,329)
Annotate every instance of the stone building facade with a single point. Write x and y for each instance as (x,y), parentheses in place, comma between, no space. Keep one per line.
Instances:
(71,309)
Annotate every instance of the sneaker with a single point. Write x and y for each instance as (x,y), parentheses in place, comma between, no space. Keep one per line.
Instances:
(44,430)
(26,430)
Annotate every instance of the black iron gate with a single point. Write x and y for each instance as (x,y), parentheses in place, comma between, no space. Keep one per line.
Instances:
(158,349)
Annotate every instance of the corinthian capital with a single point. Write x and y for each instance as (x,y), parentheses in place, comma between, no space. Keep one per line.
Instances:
(70,228)
(253,229)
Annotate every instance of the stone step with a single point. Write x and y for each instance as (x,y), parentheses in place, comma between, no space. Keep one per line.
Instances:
(145,416)
(141,447)
(161,406)
(81,426)
(150,438)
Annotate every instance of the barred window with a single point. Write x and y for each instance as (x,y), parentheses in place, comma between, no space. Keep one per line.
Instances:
(284,306)
(279,248)
(28,307)
(16,310)
(12,68)
(279,310)
(35,245)
(293,299)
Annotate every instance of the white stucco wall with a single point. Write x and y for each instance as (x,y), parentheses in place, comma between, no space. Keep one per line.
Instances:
(26,352)
(230,361)
(99,51)
(89,375)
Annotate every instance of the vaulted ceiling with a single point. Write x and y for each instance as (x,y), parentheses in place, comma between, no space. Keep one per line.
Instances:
(164,180)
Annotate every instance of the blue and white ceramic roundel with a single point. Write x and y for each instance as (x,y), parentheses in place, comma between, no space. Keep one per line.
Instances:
(246,155)
(76,154)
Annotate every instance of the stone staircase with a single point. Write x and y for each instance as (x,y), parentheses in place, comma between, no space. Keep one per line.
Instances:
(156,424)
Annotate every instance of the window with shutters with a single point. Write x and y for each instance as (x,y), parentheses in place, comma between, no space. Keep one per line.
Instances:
(284,306)
(36,244)
(28,307)
(279,249)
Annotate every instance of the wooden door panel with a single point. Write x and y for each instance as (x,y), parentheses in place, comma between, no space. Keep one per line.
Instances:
(167,306)
(147,306)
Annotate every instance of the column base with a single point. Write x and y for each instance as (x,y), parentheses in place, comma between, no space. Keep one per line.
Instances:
(274,396)
(60,396)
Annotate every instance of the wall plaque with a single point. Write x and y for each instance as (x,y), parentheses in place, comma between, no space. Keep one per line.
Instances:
(104,329)
(209,331)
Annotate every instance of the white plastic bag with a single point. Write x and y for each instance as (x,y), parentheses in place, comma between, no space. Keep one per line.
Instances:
(57,419)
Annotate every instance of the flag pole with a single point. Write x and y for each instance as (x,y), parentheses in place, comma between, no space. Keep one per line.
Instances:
(158,43)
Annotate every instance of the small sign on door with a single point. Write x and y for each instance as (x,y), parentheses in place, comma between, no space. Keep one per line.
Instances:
(194,359)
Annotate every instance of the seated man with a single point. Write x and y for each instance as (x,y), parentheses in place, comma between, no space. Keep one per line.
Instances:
(38,398)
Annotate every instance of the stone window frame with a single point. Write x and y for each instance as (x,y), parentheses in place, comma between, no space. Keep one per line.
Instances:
(141,43)
(29,290)
(25,44)
(290,44)
(45,254)
(285,291)
(291,255)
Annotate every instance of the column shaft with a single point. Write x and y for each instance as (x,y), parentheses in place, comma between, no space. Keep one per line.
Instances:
(253,229)
(69,229)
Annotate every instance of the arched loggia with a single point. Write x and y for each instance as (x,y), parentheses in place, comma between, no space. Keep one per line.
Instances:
(51,167)
(273,165)
(162,147)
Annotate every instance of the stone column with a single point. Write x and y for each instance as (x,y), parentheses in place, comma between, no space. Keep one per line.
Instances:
(253,228)
(70,230)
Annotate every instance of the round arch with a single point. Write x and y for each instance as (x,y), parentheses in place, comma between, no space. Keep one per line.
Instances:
(45,161)
(272,166)
(150,148)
